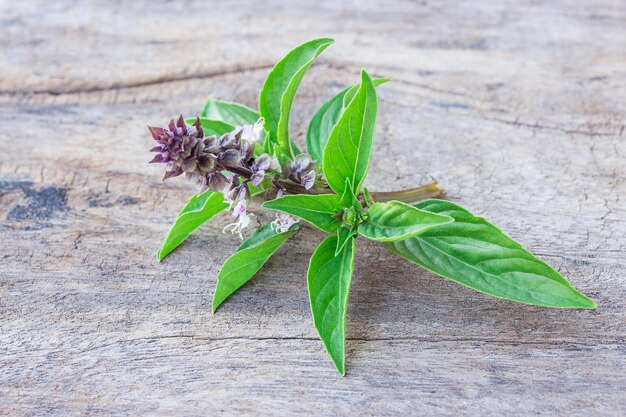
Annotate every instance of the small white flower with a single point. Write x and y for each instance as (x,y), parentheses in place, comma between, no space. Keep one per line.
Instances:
(283,223)
(242,218)
(252,133)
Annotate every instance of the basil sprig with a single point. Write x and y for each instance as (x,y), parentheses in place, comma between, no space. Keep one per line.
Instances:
(436,234)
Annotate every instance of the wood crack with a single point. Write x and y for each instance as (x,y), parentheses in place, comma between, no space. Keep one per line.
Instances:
(538,126)
(124,86)
(565,344)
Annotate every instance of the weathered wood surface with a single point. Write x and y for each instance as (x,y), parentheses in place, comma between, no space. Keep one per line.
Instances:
(518,108)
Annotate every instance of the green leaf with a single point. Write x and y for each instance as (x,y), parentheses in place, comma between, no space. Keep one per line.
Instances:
(325,119)
(280,88)
(234,114)
(349,199)
(199,209)
(319,210)
(322,124)
(352,91)
(212,127)
(394,220)
(347,98)
(475,253)
(349,147)
(343,236)
(329,278)
(242,265)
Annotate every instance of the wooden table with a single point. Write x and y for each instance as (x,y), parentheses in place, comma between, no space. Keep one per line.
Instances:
(517,108)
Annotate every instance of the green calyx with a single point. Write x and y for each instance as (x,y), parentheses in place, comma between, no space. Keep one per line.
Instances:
(351,213)
(352,217)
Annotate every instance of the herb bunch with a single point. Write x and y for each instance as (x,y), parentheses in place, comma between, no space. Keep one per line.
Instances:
(233,152)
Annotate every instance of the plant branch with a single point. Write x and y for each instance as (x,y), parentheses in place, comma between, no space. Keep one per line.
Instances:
(412,195)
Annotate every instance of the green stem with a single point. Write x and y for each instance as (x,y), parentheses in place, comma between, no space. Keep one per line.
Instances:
(412,195)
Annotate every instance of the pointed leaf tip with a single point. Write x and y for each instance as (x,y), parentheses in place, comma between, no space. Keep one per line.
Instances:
(475,253)
(328,280)
(349,147)
(279,90)
(247,260)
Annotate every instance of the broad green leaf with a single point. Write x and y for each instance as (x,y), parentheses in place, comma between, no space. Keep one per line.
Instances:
(475,253)
(234,114)
(325,119)
(394,220)
(349,147)
(322,124)
(280,88)
(199,209)
(329,278)
(319,210)
(242,265)
(212,127)
(344,235)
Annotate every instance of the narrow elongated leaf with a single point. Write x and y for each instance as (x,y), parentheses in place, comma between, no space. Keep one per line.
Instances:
(234,114)
(242,265)
(319,210)
(212,127)
(325,119)
(199,209)
(475,253)
(349,147)
(394,220)
(329,279)
(280,88)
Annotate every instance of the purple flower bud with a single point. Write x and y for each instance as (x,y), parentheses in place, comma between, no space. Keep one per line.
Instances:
(247,150)
(228,141)
(215,181)
(229,158)
(189,164)
(180,123)
(174,173)
(308,179)
(274,164)
(262,163)
(211,144)
(301,170)
(159,158)
(244,193)
(229,189)
(238,132)
(207,163)
(257,177)
(302,163)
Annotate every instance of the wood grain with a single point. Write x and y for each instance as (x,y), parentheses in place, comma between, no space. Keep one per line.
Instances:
(517,107)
